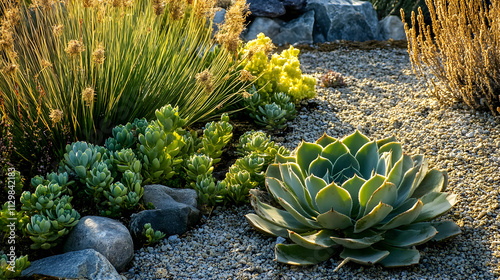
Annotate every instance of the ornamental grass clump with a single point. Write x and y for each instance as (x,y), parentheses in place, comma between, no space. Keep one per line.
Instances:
(461,51)
(75,70)
(364,198)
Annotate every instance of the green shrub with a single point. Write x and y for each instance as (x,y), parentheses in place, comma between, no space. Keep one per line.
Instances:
(75,71)
(365,197)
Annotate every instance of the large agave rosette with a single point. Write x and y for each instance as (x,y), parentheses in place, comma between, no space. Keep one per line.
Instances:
(364,197)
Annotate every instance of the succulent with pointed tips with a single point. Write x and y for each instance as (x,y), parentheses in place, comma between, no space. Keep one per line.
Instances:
(364,197)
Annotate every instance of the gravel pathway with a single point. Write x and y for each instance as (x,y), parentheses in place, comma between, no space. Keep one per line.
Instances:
(382,98)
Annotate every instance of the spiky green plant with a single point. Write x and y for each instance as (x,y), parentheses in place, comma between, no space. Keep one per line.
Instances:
(78,71)
(365,197)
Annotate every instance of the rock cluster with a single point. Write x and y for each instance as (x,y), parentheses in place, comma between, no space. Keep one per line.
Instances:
(319,21)
(99,247)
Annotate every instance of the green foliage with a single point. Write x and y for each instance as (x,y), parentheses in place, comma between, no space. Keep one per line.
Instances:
(393,7)
(253,164)
(257,142)
(79,158)
(365,197)
(98,179)
(122,138)
(126,159)
(48,225)
(198,166)
(239,183)
(119,198)
(216,136)
(209,192)
(272,113)
(279,74)
(151,236)
(8,271)
(8,212)
(101,68)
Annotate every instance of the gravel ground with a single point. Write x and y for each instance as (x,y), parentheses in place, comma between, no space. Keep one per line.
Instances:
(382,98)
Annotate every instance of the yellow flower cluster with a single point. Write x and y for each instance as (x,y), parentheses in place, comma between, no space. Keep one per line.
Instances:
(279,74)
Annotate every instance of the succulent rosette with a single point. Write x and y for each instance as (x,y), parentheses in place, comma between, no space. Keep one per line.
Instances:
(364,198)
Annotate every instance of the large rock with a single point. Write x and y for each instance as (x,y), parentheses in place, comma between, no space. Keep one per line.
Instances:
(344,20)
(270,27)
(218,19)
(84,264)
(266,8)
(297,31)
(175,211)
(295,5)
(391,27)
(106,236)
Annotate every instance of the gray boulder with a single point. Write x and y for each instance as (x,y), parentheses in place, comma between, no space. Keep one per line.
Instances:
(106,236)
(270,27)
(84,264)
(391,27)
(344,20)
(297,31)
(266,8)
(218,19)
(175,210)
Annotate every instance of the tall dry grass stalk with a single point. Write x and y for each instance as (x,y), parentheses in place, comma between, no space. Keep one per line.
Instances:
(80,67)
(461,50)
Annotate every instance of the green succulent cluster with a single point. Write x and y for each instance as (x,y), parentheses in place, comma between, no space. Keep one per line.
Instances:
(209,192)
(247,173)
(7,213)
(51,215)
(122,196)
(273,112)
(258,142)
(7,271)
(79,158)
(198,166)
(160,145)
(364,197)
(216,136)
(151,236)
(125,136)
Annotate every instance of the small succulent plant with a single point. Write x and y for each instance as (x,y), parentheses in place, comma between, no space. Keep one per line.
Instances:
(364,197)
(272,113)
(151,236)
(259,143)
(332,79)
(239,183)
(8,271)
(98,179)
(122,138)
(79,158)
(118,198)
(198,166)
(126,159)
(216,136)
(209,192)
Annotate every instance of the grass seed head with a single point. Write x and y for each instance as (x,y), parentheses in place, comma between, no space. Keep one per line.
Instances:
(56,116)
(74,48)
(88,95)
(98,55)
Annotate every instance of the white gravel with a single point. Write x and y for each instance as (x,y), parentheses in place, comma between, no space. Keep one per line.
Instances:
(382,98)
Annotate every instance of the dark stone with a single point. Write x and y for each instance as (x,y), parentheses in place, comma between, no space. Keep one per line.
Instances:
(84,264)
(266,8)
(297,31)
(296,5)
(270,27)
(344,20)
(175,211)
(107,236)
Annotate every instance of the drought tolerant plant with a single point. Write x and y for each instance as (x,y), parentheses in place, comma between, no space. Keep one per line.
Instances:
(151,236)
(12,267)
(273,113)
(259,143)
(51,215)
(364,197)
(332,79)
(460,50)
(216,135)
(77,69)
(281,73)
